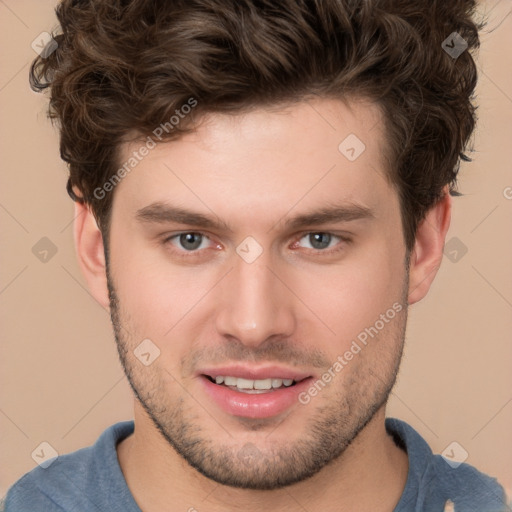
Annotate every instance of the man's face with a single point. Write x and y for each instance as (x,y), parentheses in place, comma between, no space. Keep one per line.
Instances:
(254,297)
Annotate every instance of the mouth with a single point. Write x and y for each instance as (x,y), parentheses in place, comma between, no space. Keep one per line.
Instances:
(252,392)
(252,386)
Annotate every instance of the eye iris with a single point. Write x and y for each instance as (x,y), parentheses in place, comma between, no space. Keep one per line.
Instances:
(323,238)
(188,238)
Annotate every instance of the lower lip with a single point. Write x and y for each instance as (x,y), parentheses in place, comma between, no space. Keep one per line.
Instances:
(247,405)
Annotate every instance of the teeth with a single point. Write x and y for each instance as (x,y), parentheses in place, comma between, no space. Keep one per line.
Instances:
(252,384)
(245,384)
(262,384)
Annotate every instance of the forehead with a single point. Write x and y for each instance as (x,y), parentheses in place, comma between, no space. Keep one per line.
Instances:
(265,162)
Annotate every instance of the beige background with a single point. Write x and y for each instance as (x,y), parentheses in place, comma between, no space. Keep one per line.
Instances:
(61,379)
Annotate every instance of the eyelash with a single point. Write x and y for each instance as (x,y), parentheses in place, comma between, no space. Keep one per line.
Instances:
(323,252)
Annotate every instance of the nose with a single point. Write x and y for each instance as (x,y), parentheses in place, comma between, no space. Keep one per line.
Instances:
(255,304)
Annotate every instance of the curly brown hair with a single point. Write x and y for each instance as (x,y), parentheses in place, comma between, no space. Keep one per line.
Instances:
(126,66)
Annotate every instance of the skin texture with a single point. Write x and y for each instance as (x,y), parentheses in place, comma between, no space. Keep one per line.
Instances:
(296,305)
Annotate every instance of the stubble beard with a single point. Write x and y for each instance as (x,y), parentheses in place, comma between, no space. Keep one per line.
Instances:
(266,465)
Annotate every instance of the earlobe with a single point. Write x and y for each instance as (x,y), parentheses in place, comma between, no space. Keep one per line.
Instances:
(90,253)
(428,248)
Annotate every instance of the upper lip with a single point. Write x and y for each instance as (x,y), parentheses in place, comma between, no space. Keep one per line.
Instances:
(255,373)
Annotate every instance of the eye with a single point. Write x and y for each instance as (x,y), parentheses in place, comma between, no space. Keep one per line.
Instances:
(189,241)
(320,241)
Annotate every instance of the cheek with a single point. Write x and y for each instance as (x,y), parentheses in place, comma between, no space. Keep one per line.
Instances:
(158,301)
(351,296)
(154,295)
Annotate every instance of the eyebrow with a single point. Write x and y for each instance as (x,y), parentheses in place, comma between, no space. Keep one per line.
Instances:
(161,213)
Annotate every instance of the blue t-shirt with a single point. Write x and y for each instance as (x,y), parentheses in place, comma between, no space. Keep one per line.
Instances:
(91,480)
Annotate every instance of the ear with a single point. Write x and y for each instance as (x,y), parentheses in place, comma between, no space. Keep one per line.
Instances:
(90,253)
(428,248)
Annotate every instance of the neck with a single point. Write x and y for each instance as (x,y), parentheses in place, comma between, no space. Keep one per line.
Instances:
(369,475)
